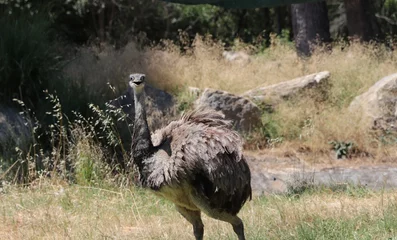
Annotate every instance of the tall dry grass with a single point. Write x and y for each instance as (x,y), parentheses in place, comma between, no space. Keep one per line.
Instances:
(301,123)
(354,67)
(95,210)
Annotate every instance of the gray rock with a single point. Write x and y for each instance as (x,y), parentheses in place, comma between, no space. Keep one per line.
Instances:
(273,94)
(275,175)
(15,131)
(265,181)
(243,112)
(378,106)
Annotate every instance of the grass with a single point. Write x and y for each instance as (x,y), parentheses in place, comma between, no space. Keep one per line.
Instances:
(309,121)
(88,152)
(86,75)
(58,211)
(77,169)
(304,126)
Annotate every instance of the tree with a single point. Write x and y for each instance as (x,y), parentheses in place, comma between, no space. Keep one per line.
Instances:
(361,20)
(310,25)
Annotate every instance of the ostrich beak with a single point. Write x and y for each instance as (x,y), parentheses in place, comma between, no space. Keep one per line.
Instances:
(137,82)
(137,78)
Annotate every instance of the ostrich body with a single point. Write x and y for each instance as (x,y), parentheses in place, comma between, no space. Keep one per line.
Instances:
(195,162)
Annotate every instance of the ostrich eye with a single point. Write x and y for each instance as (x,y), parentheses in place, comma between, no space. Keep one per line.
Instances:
(142,78)
(132,78)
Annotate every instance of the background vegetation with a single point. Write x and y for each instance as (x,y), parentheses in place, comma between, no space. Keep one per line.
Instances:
(61,61)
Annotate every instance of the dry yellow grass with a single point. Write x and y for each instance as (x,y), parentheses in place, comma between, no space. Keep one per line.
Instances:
(302,123)
(48,210)
(354,68)
(74,212)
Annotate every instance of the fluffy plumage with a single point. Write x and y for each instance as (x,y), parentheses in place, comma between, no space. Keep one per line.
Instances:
(205,152)
(195,162)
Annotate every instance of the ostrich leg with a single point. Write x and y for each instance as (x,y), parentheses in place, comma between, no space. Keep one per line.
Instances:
(236,222)
(194,217)
(238,227)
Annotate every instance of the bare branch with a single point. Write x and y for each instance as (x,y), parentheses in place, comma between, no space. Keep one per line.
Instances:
(390,21)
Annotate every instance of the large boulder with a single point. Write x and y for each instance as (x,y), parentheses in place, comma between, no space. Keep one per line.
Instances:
(15,132)
(273,94)
(378,106)
(243,112)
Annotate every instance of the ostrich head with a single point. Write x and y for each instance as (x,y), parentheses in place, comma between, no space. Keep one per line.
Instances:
(137,82)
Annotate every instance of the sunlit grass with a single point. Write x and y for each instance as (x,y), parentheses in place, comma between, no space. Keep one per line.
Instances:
(303,122)
(101,207)
(49,211)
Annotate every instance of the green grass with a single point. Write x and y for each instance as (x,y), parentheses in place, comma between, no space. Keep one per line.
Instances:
(59,211)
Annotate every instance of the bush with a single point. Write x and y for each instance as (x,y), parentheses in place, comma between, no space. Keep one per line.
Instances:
(28,59)
(87,158)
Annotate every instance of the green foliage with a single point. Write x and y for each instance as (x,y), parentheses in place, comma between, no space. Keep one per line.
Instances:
(270,128)
(185,100)
(387,16)
(89,170)
(28,59)
(342,149)
(266,135)
(388,137)
(119,21)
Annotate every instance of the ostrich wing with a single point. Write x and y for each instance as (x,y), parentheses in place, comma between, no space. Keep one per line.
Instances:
(204,151)
(213,161)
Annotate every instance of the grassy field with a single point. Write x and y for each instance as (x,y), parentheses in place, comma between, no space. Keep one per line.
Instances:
(59,211)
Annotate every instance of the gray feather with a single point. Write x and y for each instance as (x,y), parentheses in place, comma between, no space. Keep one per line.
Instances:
(202,143)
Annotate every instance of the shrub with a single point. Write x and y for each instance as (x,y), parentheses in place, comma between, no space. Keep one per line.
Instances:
(87,158)
(28,59)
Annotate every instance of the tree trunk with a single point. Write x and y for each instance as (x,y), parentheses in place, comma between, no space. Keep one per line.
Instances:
(310,25)
(101,24)
(280,19)
(361,20)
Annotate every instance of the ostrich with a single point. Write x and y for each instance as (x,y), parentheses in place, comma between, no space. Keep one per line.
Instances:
(195,162)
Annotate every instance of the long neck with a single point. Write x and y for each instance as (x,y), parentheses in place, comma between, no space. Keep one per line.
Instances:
(142,145)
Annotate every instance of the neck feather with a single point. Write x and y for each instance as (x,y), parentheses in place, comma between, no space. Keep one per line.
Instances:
(142,145)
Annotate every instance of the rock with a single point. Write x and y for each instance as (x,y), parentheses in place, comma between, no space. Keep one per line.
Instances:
(378,106)
(273,94)
(275,175)
(15,131)
(244,113)
(159,105)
